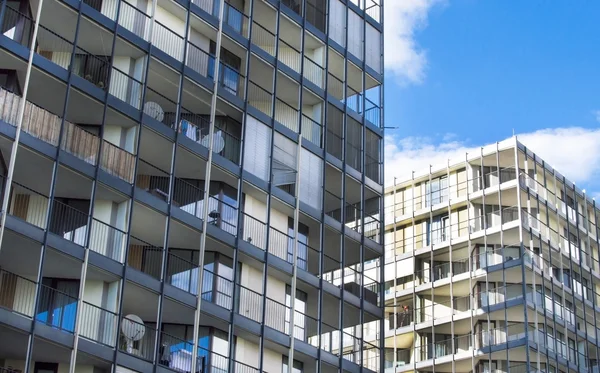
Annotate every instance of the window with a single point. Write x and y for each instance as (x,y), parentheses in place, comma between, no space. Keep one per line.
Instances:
(335,122)
(315,13)
(229,75)
(436,191)
(257,148)
(284,163)
(298,367)
(438,229)
(311,179)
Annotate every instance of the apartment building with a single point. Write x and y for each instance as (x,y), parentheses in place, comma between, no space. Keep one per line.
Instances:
(492,265)
(191,186)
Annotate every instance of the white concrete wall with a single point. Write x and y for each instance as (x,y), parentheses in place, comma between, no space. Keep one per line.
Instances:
(118,81)
(113,134)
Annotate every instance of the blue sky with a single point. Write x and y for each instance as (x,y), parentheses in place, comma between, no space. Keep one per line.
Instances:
(465,73)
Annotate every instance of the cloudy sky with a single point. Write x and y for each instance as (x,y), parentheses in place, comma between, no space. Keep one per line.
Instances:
(464,73)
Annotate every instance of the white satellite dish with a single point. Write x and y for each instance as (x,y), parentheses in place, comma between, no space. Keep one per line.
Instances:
(154,110)
(218,142)
(133,329)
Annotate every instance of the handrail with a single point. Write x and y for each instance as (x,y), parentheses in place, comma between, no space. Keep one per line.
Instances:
(263,38)
(107,240)
(254,231)
(314,72)
(260,98)
(98,324)
(311,130)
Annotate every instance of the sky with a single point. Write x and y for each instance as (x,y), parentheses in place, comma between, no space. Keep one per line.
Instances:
(461,74)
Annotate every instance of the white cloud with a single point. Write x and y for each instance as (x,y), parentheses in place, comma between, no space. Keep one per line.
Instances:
(403,57)
(573,151)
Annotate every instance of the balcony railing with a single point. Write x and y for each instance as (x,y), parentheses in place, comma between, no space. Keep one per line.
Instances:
(289,56)
(260,98)
(18,293)
(312,130)
(236,19)
(286,114)
(196,127)
(263,38)
(98,324)
(107,240)
(254,231)
(249,304)
(182,274)
(316,16)
(126,88)
(56,309)
(314,72)
(75,140)
(17,26)
(28,205)
(69,223)
(134,20)
(217,290)
(333,206)
(168,41)
(176,353)
(188,197)
(335,87)
(141,343)
(145,257)
(231,80)
(200,61)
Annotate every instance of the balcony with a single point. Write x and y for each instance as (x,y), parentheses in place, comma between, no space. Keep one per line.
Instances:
(84,145)
(18,293)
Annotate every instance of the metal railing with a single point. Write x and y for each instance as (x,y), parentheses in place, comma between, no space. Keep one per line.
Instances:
(263,38)
(314,72)
(28,204)
(200,60)
(286,114)
(92,68)
(182,274)
(333,206)
(217,290)
(335,87)
(260,98)
(335,144)
(289,56)
(141,341)
(145,257)
(254,231)
(372,228)
(168,41)
(18,293)
(231,80)
(49,42)
(134,20)
(107,240)
(17,26)
(277,316)
(236,19)
(69,223)
(169,106)
(372,112)
(176,353)
(373,9)
(188,197)
(98,324)
(209,6)
(125,88)
(281,244)
(373,168)
(311,130)
(56,309)
(223,215)
(295,5)
(153,180)
(249,303)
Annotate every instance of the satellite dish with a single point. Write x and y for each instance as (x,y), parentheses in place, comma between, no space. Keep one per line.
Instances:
(218,142)
(154,110)
(133,328)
